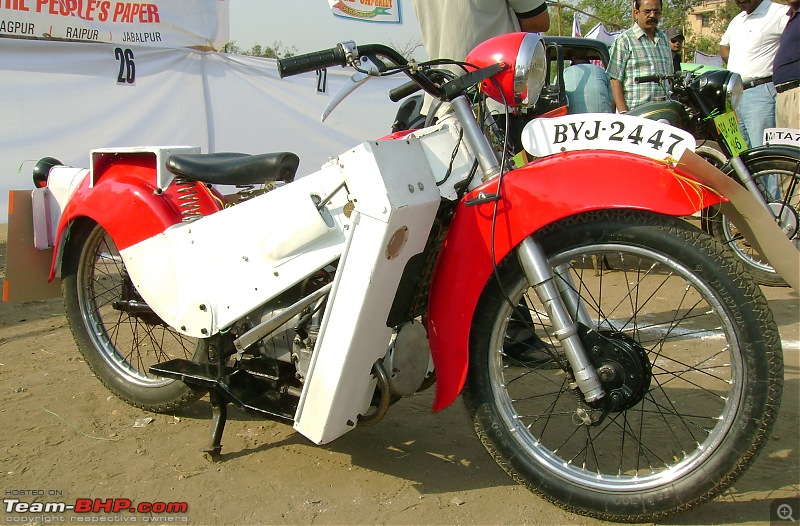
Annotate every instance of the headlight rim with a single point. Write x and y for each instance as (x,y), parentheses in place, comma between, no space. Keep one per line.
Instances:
(733,90)
(531,48)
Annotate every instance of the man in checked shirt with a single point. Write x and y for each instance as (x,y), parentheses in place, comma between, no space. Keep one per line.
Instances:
(641,50)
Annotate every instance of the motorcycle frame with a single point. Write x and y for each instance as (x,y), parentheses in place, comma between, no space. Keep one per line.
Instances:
(393,187)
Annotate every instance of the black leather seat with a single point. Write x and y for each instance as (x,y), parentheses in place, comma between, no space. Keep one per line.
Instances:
(235,168)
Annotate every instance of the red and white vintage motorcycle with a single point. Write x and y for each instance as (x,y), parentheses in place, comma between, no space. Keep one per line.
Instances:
(613,358)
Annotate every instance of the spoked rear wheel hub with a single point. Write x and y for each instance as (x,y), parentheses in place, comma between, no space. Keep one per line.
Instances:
(786,217)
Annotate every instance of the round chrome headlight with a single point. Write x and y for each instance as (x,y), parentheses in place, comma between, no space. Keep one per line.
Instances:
(529,71)
(733,90)
(523,78)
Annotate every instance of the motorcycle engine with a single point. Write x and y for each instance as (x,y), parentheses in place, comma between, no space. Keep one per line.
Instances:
(294,341)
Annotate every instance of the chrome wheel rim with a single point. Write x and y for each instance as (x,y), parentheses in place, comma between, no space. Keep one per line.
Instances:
(124,341)
(696,385)
(783,199)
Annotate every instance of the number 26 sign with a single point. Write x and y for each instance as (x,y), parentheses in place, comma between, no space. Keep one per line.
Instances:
(126,68)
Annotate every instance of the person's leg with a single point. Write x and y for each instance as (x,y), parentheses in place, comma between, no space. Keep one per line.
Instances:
(787,111)
(756,112)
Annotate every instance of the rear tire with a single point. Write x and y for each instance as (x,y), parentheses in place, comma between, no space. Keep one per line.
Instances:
(711,152)
(784,203)
(118,345)
(708,389)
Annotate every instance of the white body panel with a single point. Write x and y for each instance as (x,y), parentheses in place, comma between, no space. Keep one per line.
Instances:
(396,198)
(49,202)
(202,276)
(438,143)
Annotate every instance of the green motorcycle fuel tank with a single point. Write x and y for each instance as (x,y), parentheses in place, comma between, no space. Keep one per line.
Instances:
(669,111)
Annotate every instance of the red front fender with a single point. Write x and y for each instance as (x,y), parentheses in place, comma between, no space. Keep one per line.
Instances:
(532,197)
(125,200)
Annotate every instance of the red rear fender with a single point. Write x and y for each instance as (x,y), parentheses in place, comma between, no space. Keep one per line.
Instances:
(127,203)
(532,197)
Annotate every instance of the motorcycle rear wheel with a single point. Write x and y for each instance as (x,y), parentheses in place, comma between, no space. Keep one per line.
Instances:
(118,344)
(712,152)
(784,205)
(682,319)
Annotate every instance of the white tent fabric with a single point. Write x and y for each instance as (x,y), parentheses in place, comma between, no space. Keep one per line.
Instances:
(599,32)
(707,60)
(160,23)
(63,99)
(576,24)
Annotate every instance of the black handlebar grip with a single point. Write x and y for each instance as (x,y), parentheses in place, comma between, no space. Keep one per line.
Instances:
(647,78)
(312,61)
(401,92)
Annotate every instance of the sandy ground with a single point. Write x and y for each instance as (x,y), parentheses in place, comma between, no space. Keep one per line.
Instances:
(63,437)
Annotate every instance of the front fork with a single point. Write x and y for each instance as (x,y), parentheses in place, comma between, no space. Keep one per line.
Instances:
(558,302)
(560,299)
(747,180)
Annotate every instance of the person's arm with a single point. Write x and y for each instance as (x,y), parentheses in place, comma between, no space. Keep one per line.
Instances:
(536,20)
(609,91)
(616,71)
(535,24)
(619,95)
(724,52)
(725,44)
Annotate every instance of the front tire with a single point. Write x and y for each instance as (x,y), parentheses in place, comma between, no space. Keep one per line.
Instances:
(119,344)
(712,376)
(778,178)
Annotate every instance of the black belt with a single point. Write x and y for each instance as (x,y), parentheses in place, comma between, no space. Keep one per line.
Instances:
(757,82)
(786,86)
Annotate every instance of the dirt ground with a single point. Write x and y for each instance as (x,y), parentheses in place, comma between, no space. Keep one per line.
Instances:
(63,437)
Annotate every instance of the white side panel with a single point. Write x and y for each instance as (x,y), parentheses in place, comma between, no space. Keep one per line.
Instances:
(202,276)
(439,142)
(396,200)
(48,203)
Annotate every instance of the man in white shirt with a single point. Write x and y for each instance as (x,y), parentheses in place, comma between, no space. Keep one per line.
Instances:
(749,46)
(452,28)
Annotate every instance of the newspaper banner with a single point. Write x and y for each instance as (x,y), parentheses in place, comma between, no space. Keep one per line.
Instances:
(202,24)
(380,11)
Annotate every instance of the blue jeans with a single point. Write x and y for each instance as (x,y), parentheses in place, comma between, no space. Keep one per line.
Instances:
(756,112)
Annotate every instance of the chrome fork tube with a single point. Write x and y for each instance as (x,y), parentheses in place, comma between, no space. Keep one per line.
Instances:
(540,277)
(475,139)
(569,293)
(747,179)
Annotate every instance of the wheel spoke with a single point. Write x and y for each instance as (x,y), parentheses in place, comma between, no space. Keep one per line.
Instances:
(127,341)
(650,301)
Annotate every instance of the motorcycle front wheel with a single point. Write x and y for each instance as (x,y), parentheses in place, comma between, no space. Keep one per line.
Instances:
(778,179)
(116,332)
(683,340)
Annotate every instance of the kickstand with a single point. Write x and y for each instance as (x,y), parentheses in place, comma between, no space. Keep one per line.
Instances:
(219,405)
(219,415)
